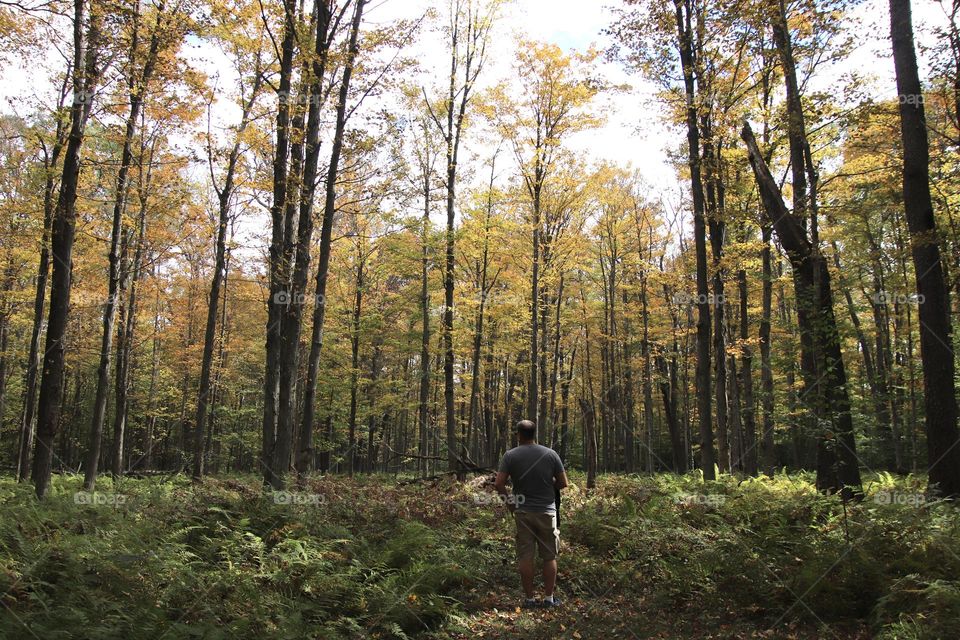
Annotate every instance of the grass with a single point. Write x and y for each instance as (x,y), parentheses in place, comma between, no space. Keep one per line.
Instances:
(643,556)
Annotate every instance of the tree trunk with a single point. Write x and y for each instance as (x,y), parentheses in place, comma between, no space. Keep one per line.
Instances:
(478,330)
(686,48)
(590,436)
(292,318)
(137,89)
(28,422)
(423,407)
(277,267)
(936,340)
(85,76)
(750,462)
(224,195)
(769,452)
(717,231)
(354,368)
(824,375)
(305,442)
(125,339)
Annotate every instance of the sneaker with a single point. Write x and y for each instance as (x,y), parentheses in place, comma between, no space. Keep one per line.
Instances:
(530,603)
(552,602)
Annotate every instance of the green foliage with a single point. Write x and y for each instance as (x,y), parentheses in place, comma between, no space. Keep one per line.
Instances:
(365,558)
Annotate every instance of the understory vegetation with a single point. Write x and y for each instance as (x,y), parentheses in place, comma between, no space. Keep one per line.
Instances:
(378,557)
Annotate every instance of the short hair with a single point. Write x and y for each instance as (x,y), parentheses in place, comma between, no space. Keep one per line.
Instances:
(527,429)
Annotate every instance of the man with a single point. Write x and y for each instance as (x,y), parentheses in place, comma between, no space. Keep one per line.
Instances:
(537,475)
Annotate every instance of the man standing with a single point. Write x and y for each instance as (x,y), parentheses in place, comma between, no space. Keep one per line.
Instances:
(537,475)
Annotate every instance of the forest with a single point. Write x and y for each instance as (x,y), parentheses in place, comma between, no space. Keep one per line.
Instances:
(279,278)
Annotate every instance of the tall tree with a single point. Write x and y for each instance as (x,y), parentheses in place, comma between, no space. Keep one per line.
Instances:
(936,344)
(687,47)
(250,70)
(86,71)
(469,34)
(277,266)
(550,106)
(825,379)
(51,158)
(138,76)
(305,451)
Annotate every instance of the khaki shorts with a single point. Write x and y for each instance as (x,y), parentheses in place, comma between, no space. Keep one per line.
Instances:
(537,531)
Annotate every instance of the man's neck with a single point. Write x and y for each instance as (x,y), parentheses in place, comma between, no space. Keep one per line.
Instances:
(521,442)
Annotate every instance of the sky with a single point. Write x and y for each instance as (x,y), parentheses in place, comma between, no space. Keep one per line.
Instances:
(634,132)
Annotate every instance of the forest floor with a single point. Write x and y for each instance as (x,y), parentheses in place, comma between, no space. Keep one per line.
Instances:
(643,557)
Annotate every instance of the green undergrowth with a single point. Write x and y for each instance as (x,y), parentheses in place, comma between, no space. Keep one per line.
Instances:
(366,558)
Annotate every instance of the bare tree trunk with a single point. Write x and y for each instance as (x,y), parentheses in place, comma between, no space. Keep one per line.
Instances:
(478,330)
(137,87)
(28,422)
(717,230)
(224,196)
(837,467)
(125,339)
(590,436)
(278,269)
(936,340)
(86,73)
(686,48)
(5,314)
(750,462)
(472,37)
(354,367)
(147,462)
(769,452)
(305,442)
(292,318)
(423,407)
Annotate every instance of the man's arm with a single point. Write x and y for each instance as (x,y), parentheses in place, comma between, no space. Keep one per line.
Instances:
(500,484)
(560,480)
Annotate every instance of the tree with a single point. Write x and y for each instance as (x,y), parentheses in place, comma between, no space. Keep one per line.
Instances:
(138,77)
(825,378)
(250,72)
(51,157)
(85,75)
(551,105)
(305,456)
(279,272)
(469,34)
(936,345)
(686,47)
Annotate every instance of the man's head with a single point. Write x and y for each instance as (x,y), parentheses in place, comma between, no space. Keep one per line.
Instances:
(526,431)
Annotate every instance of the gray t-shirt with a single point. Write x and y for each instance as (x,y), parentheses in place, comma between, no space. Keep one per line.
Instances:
(532,468)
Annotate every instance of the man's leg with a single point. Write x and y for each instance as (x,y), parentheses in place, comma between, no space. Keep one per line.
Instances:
(526,575)
(549,577)
(526,551)
(549,539)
